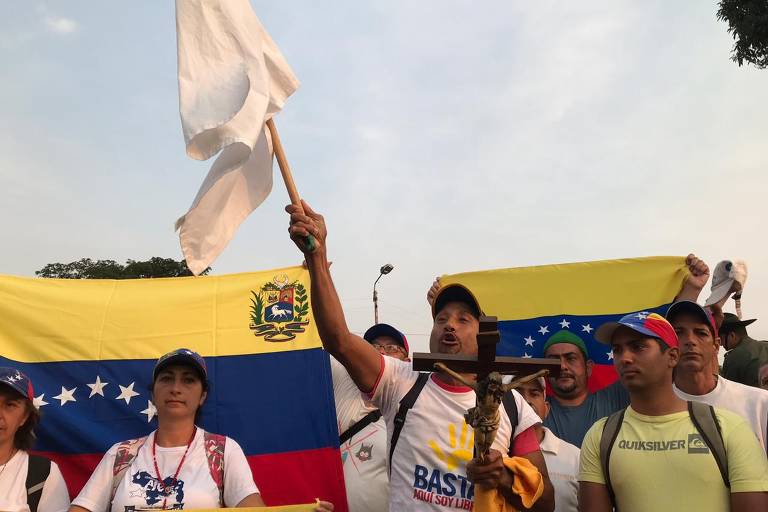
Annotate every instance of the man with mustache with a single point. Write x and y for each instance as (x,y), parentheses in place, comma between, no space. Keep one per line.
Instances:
(658,459)
(573,409)
(696,376)
(431,467)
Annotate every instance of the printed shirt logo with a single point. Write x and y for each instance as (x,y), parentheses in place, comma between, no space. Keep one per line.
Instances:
(279,309)
(696,444)
(356,450)
(154,491)
(441,486)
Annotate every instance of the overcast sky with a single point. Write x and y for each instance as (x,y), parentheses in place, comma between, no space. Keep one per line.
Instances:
(439,136)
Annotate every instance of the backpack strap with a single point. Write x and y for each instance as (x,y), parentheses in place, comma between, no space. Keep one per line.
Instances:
(371,417)
(214,453)
(38,469)
(607,439)
(126,452)
(406,403)
(704,419)
(510,406)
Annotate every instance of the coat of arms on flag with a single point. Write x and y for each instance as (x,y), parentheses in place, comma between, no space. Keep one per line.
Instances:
(279,310)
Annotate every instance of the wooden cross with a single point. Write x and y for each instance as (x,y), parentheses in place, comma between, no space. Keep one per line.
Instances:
(486,361)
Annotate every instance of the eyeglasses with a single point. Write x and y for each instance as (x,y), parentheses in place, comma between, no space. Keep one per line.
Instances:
(388,349)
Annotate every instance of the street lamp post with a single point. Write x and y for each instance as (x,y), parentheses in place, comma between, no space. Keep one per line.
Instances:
(386,269)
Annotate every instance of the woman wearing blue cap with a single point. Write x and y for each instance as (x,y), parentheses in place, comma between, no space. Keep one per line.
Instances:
(27,482)
(178,466)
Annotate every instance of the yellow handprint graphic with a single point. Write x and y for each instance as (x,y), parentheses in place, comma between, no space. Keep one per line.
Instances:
(461,451)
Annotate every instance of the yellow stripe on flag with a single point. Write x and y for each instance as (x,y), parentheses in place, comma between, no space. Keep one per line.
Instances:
(53,319)
(604,287)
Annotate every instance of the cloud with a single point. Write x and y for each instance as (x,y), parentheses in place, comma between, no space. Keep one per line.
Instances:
(60,25)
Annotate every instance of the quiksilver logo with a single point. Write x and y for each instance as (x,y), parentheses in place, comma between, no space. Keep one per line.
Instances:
(696,444)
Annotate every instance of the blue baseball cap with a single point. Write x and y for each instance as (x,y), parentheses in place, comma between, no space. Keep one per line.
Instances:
(183,356)
(18,381)
(386,330)
(652,325)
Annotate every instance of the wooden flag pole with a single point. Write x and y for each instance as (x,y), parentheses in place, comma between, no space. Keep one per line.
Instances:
(285,170)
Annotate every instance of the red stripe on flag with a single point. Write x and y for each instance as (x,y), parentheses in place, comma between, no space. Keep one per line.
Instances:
(602,375)
(282,478)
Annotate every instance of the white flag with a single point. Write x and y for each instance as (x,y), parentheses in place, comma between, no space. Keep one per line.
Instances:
(232,79)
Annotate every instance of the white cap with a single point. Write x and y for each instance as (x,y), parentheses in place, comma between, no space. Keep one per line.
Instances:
(728,277)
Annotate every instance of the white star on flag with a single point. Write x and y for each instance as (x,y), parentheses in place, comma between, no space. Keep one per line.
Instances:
(529,341)
(97,388)
(565,324)
(543,329)
(642,316)
(126,393)
(587,328)
(39,401)
(66,395)
(150,411)
(526,356)
(610,355)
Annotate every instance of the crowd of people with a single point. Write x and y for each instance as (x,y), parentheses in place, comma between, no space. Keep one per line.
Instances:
(675,432)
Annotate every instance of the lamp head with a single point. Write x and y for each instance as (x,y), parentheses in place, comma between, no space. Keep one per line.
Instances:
(386,269)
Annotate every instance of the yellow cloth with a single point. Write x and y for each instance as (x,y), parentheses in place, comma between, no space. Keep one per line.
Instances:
(660,463)
(528,484)
(285,508)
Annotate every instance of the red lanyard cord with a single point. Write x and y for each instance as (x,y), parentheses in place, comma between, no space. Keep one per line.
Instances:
(178,469)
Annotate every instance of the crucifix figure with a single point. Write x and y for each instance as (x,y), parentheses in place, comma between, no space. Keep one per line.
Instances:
(489,388)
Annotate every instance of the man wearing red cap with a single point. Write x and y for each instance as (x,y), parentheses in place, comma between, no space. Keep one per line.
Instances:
(657,458)
(431,464)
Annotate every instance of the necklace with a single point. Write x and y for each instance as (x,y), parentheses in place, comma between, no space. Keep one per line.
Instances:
(178,469)
(9,460)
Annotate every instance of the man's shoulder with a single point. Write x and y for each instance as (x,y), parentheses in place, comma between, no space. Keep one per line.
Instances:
(731,388)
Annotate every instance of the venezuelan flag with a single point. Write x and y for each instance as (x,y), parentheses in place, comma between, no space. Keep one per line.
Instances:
(532,303)
(90,347)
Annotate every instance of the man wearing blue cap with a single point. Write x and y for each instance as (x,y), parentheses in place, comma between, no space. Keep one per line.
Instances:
(363,431)
(653,456)
(696,377)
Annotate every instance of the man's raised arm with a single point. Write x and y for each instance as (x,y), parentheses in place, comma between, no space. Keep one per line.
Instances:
(362,361)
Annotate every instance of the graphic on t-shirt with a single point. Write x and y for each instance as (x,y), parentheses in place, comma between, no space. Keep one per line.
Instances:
(461,449)
(365,453)
(443,486)
(154,491)
(696,444)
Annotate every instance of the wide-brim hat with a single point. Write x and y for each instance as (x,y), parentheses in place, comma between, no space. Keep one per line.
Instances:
(731,321)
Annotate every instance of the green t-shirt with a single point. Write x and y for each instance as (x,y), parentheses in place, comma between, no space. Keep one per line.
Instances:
(661,463)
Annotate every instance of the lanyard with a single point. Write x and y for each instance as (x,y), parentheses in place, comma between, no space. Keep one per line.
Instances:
(178,469)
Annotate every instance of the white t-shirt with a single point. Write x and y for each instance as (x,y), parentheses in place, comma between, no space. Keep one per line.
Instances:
(364,455)
(429,466)
(748,402)
(13,490)
(195,488)
(562,460)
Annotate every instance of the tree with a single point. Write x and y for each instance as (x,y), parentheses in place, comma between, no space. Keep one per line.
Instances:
(86,268)
(748,23)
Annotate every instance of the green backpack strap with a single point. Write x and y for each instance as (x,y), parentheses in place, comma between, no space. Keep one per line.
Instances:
(126,452)
(608,438)
(704,419)
(214,453)
(38,469)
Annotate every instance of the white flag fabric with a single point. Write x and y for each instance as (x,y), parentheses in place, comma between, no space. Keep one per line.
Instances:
(232,79)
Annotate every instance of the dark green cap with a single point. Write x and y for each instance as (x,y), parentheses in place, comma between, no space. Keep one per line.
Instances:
(565,336)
